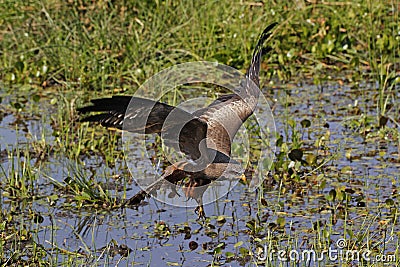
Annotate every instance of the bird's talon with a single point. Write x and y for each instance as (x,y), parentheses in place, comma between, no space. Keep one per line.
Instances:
(200,212)
(244,180)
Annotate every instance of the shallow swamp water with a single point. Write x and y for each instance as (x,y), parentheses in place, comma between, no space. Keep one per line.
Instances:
(345,189)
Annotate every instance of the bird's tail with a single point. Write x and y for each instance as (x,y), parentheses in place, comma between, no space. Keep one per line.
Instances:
(254,69)
(172,174)
(139,197)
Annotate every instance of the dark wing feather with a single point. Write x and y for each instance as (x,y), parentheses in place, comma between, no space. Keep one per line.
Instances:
(140,115)
(136,110)
(114,109)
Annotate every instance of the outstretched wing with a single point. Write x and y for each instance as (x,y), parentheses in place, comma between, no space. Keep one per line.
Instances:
(218,123)
(253,71)
(113,111)
(140,115)
(227,113)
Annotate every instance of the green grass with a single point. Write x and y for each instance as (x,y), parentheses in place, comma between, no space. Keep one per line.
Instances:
(106,45)
(56,55)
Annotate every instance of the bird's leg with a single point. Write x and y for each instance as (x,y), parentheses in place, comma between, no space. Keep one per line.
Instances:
(190,188)
(195,189)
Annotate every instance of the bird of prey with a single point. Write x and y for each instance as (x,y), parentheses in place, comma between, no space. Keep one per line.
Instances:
(205,137)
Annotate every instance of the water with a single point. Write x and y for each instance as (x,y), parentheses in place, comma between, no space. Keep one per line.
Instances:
(154,232)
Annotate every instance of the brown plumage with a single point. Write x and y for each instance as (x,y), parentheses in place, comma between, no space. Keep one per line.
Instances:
(206,137)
